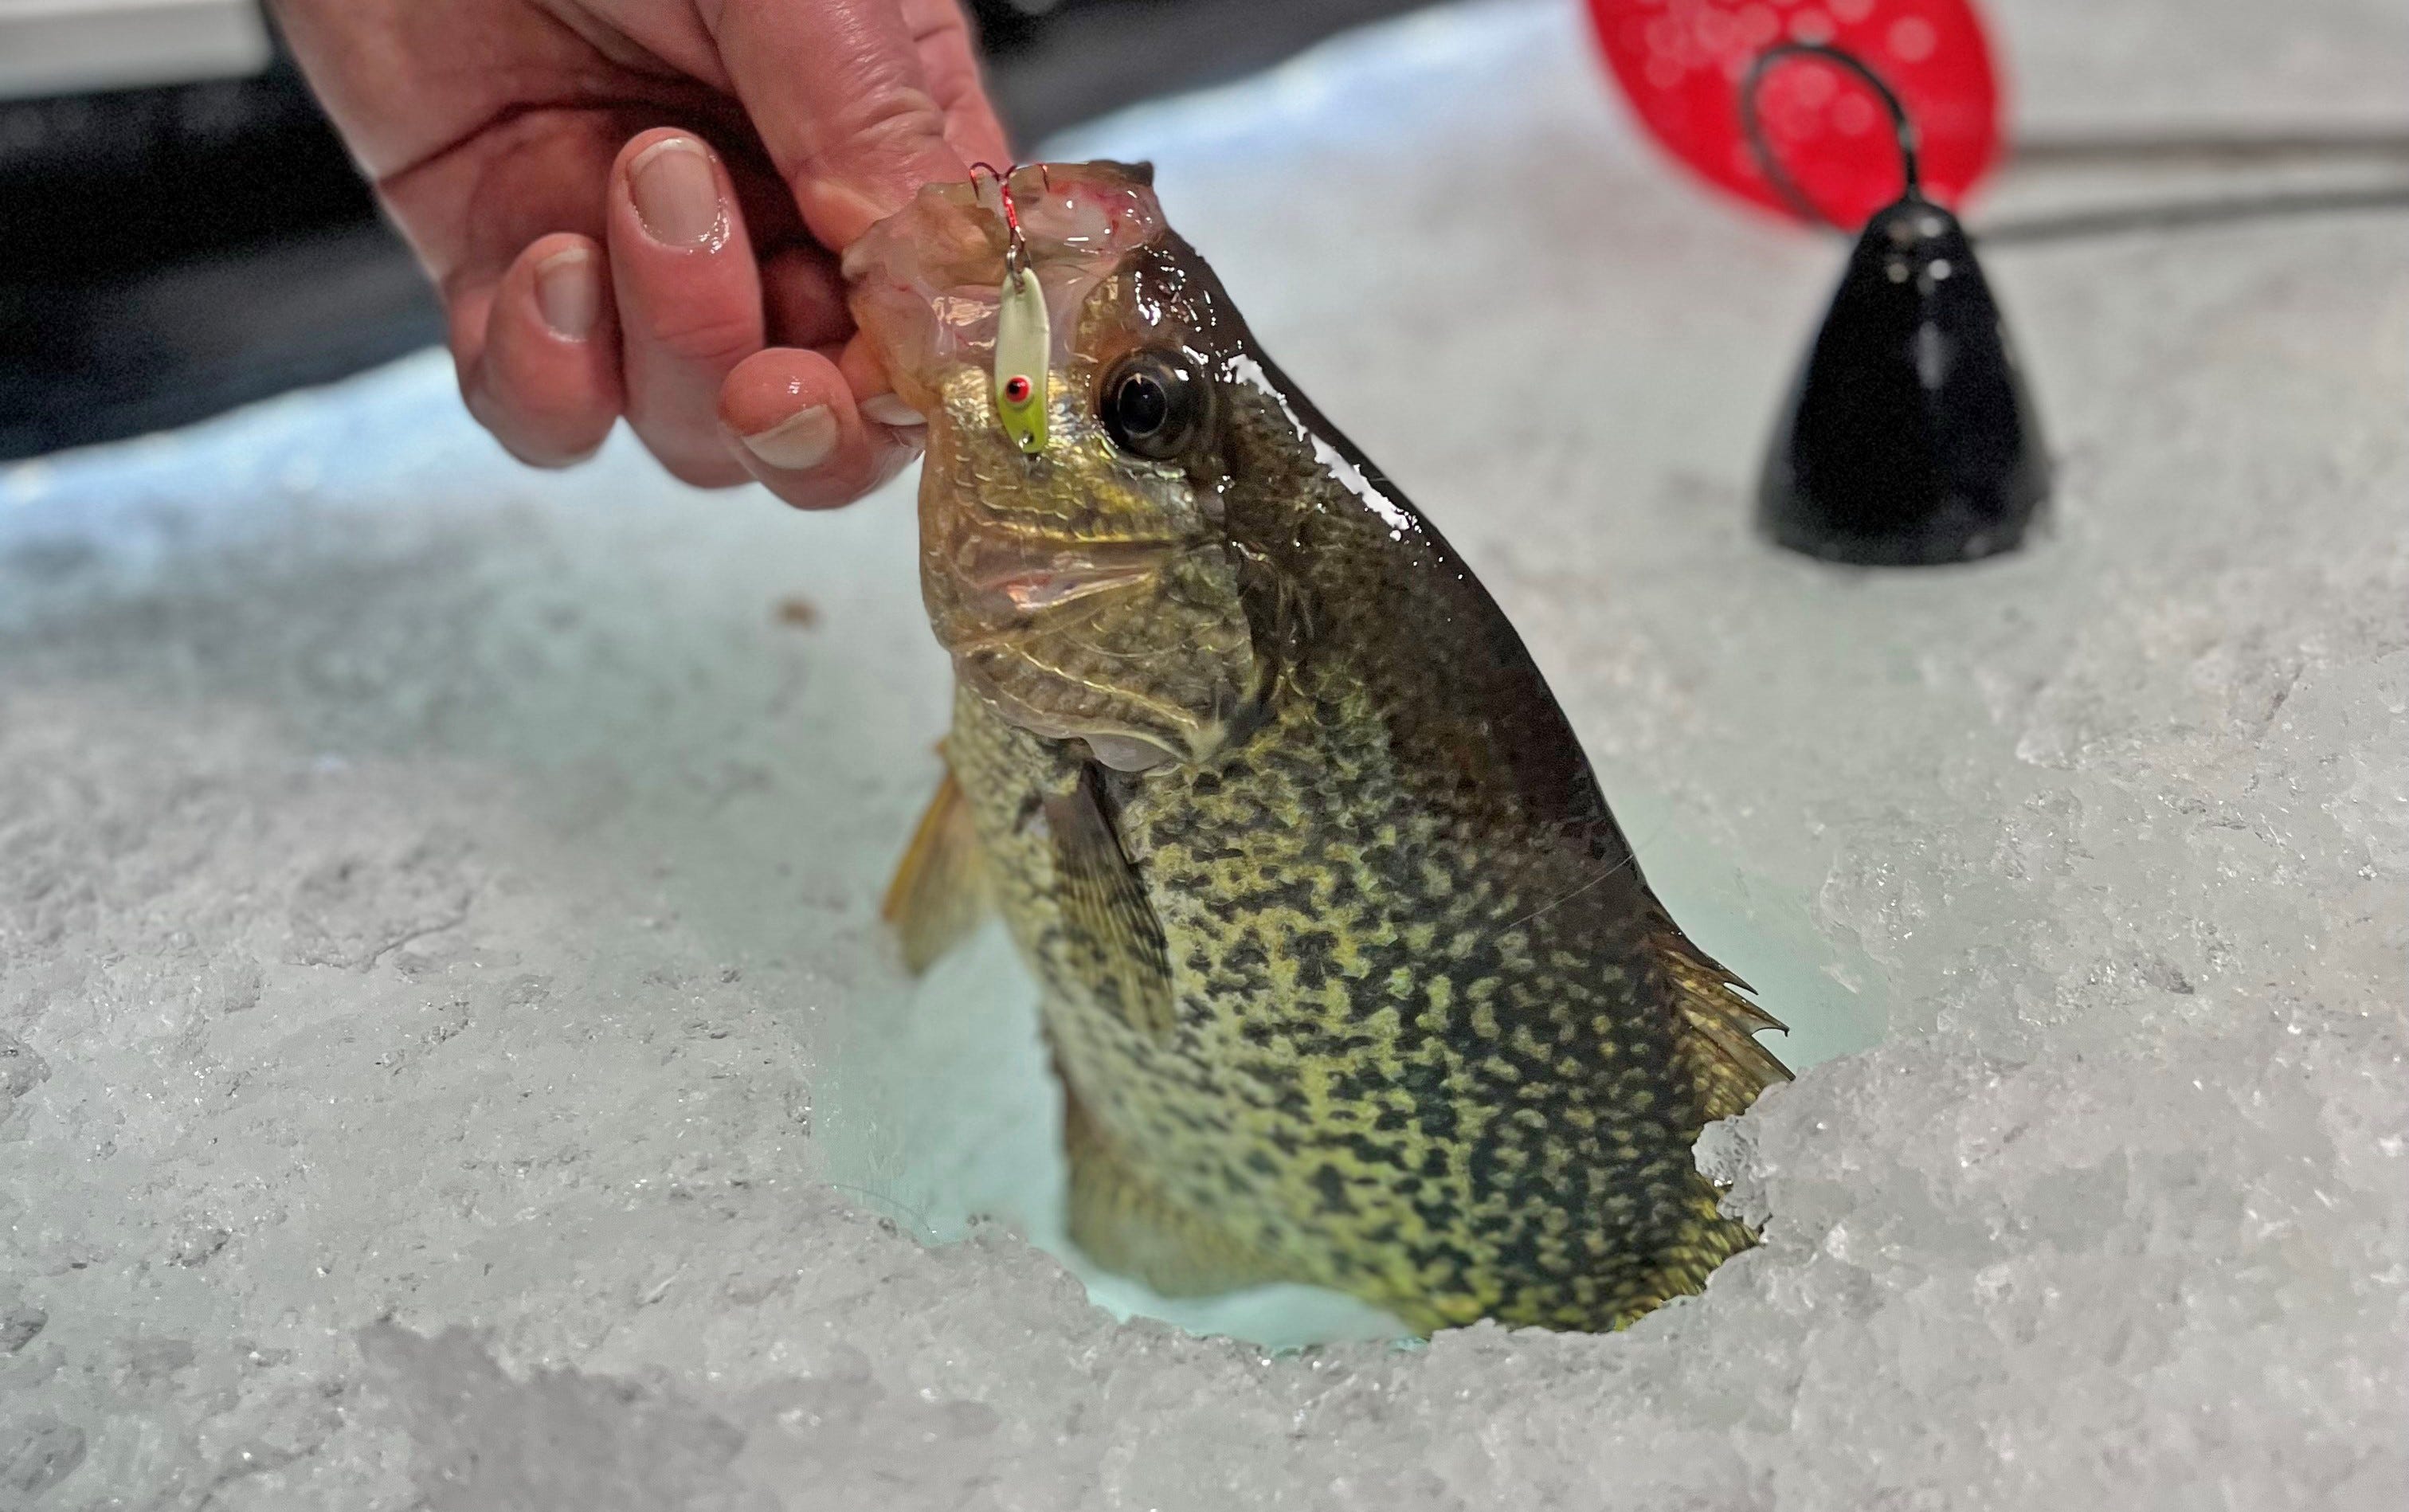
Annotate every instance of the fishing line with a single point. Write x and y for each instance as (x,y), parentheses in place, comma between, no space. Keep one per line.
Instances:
(921,1227)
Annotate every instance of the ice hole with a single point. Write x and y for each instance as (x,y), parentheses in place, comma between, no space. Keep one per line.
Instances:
(937,1107)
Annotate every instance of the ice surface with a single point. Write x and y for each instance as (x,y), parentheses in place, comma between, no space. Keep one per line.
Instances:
(438,981)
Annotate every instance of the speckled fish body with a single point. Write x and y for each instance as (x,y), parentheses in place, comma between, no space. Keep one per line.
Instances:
(1350,977)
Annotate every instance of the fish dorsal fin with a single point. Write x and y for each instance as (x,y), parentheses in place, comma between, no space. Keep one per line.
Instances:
(1717,1029)
(1106,912)
(940,892)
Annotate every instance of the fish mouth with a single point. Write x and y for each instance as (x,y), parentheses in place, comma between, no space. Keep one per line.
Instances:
(1086,599)
(924,283)
(1001,577)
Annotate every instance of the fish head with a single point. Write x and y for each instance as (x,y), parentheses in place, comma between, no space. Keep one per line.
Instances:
(1082,579)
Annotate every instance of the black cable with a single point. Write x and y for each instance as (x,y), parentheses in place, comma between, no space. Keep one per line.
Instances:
(2204,145)
(1902,127)
(2111,221)
(2180,215)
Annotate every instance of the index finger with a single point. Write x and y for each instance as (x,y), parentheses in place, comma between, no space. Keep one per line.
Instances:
(838,92)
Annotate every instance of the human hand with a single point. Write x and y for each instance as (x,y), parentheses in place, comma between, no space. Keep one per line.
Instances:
(636,206)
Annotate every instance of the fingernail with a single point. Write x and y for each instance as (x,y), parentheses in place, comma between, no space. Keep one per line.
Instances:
(676,194)
(889,410)
(798,443)
(568,293)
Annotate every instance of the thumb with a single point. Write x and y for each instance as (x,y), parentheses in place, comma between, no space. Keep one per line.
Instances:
(839,95)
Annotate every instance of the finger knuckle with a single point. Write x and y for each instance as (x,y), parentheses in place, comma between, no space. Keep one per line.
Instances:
(710,338)
(890,119)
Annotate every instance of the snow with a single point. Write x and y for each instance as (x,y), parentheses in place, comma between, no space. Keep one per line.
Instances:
(449,1058)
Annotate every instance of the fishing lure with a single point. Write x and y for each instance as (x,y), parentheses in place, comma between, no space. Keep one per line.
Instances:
(1023,335)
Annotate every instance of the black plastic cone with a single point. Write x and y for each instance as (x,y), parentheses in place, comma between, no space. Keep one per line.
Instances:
(1910,439)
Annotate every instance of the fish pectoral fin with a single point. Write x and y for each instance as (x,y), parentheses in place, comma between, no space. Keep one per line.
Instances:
(1105,913)
(1122,1221)
(1718,1029)
(939,891)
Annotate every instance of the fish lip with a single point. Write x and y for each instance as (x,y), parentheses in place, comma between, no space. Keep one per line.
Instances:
(1023,576)
(1040,589)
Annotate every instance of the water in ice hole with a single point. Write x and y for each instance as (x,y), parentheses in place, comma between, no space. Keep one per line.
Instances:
(939,1109)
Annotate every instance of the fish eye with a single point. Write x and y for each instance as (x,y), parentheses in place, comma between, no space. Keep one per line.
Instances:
(1153,404)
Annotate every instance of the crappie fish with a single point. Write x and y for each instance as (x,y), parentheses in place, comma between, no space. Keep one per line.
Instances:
(1348,975)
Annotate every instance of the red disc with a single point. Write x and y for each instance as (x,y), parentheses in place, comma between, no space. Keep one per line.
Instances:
(1681,62)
